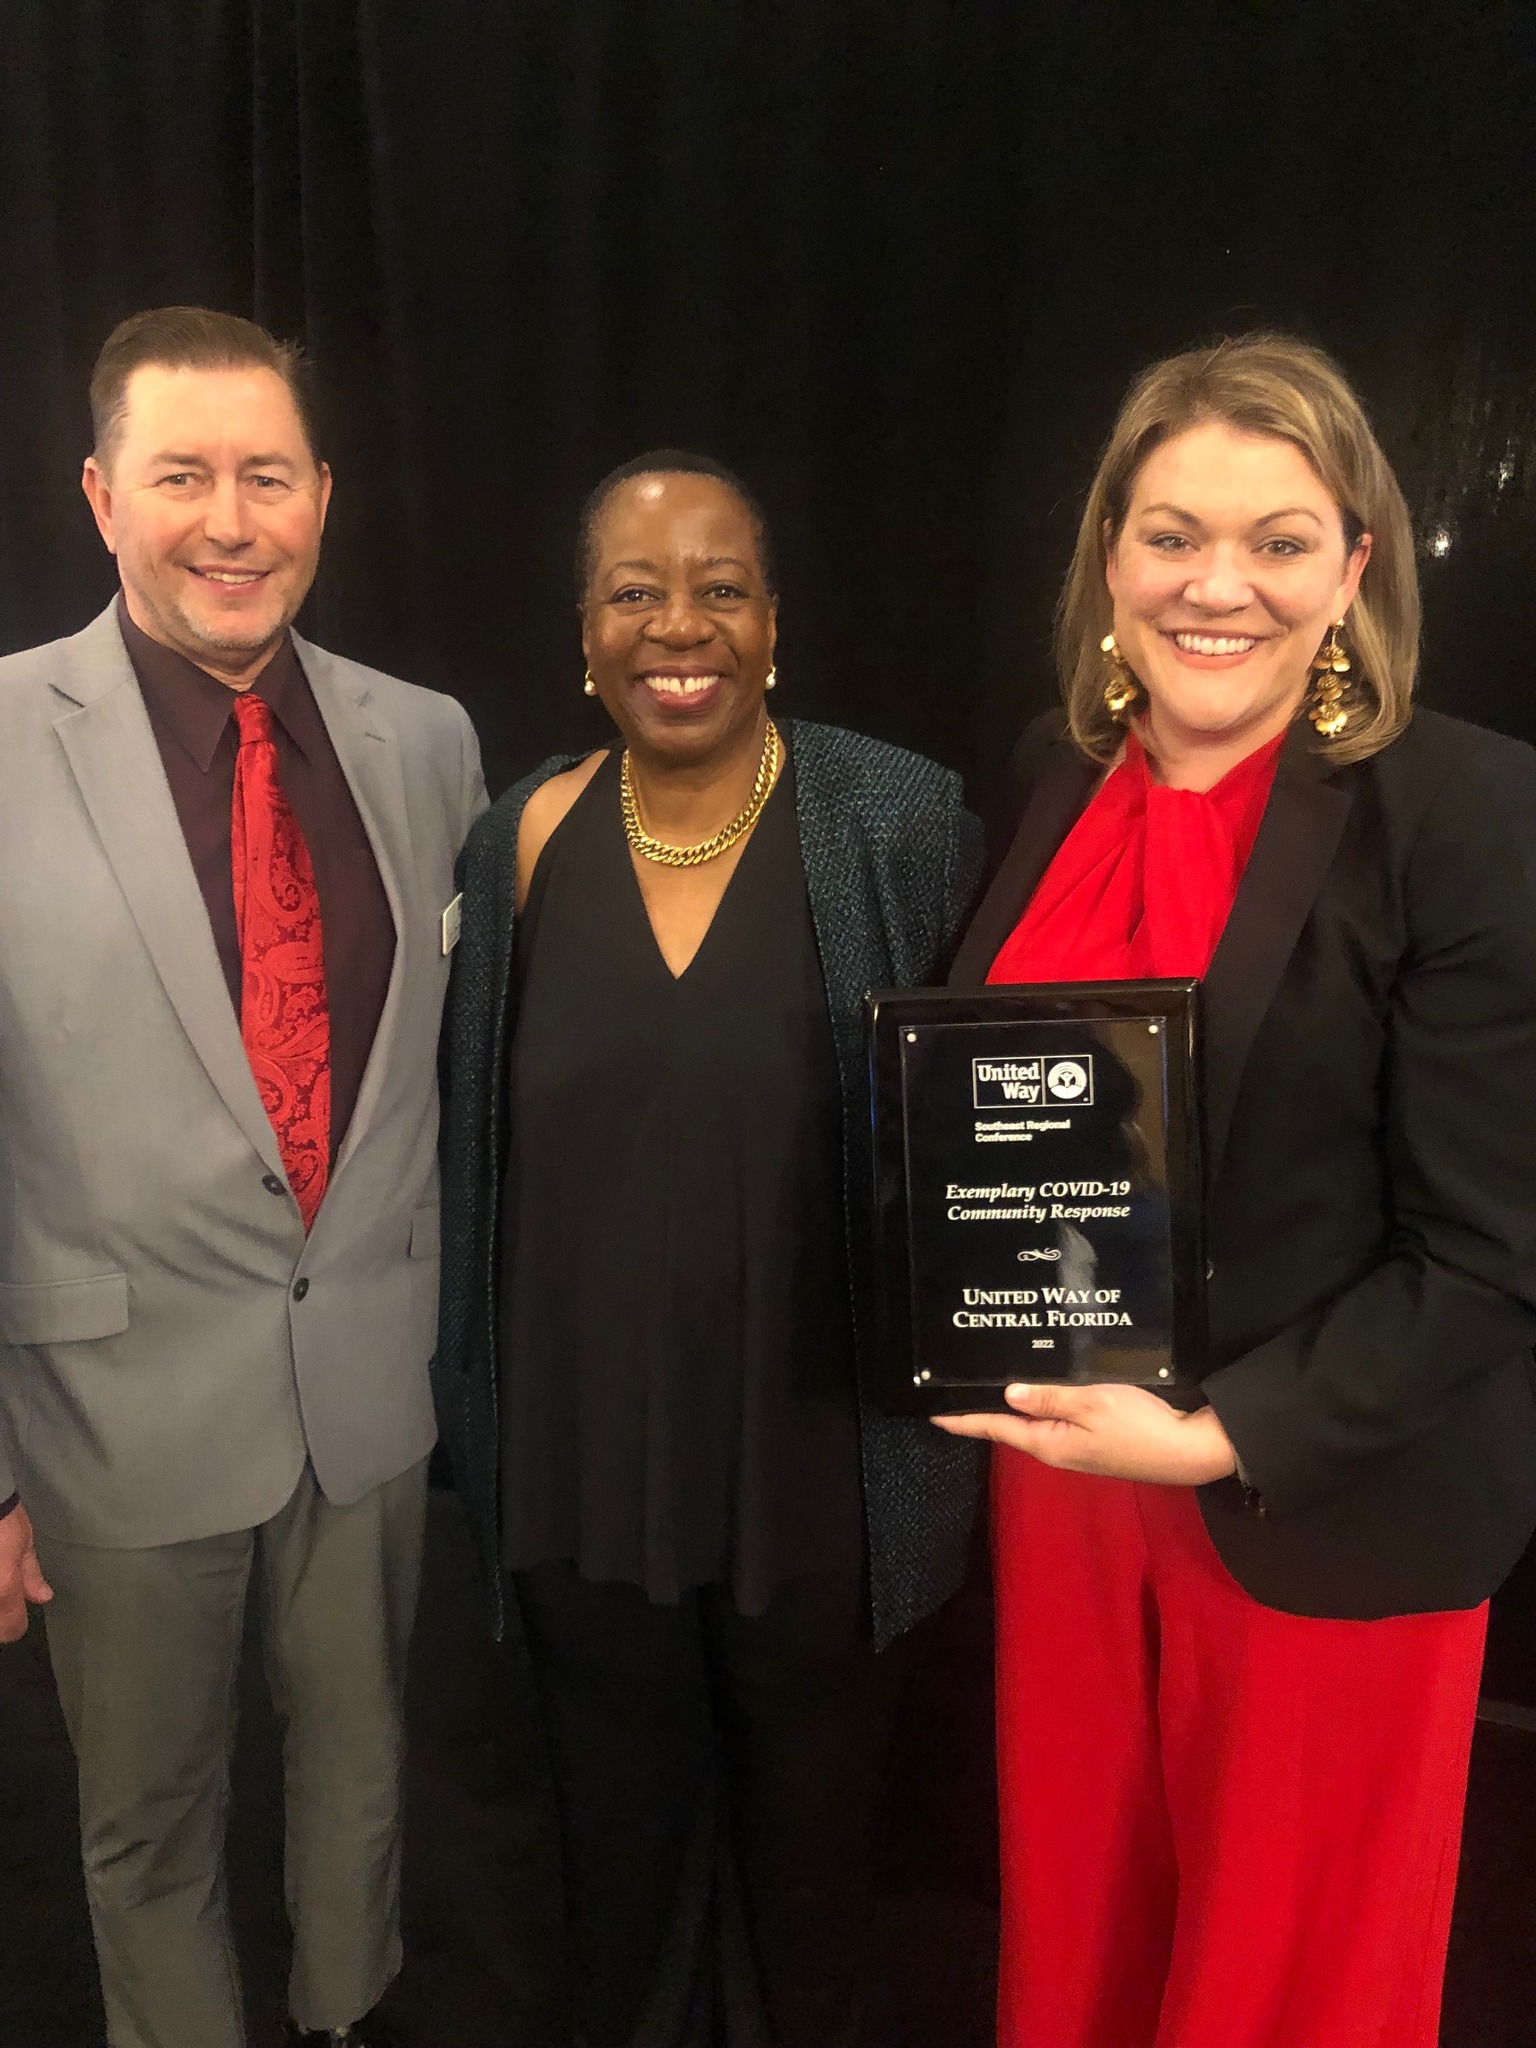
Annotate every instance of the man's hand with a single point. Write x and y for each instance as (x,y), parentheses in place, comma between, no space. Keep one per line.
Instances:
(1118,1432)
(21,1576)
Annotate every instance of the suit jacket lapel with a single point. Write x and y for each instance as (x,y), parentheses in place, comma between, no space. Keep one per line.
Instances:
(1293,852)
(116,764)
(368,749)
(1055,802)
(1297,841)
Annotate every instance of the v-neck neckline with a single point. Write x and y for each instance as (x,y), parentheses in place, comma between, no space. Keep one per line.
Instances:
(681,975)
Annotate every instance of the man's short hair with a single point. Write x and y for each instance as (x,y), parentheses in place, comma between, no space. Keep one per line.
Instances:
(190,338)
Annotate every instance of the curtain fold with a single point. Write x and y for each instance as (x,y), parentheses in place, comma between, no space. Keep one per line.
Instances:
(895,259)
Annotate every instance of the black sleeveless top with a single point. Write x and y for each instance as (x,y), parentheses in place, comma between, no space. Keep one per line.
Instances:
(677,1379)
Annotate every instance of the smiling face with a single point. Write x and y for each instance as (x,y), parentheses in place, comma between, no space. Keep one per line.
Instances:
(678,624)
(1227,573)
(213,504)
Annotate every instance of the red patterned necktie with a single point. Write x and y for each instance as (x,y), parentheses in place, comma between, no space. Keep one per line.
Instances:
(284,1019)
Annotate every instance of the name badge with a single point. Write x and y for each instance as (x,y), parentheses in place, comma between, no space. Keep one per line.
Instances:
(453,919)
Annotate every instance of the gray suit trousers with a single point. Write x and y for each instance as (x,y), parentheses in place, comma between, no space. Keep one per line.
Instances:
(145,1647)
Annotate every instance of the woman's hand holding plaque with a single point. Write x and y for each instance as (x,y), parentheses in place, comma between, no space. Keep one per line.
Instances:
(1117,1431)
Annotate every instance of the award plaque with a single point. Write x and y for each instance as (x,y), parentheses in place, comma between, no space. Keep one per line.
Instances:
(1037,1189)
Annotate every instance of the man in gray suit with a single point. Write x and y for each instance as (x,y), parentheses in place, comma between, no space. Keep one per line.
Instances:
(225,921)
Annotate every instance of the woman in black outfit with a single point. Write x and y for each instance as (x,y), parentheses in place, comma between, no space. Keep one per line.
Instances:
(648,1371)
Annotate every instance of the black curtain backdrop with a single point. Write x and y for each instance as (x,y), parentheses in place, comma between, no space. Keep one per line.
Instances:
(895,259)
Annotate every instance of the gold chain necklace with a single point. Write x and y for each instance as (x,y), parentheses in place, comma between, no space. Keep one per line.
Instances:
(720,842)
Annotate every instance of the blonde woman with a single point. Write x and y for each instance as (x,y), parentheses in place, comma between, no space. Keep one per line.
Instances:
(1239,1647)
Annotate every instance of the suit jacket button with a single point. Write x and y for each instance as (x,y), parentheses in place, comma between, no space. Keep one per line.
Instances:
(300,1289)
(272,1184)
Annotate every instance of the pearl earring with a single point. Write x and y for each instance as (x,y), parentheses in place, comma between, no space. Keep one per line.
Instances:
(589,686)
(773,680)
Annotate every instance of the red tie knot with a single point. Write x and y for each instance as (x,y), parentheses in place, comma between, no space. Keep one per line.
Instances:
(253,715)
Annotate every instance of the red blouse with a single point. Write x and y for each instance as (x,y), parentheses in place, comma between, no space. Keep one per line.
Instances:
(1143,884)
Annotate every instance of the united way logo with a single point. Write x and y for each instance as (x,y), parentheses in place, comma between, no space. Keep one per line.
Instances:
(1064,1081)
(1069,1080)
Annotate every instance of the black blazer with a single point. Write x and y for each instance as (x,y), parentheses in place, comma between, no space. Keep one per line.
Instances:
(1370,1133)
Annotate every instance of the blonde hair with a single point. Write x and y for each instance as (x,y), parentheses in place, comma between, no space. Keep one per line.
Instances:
(1260,384)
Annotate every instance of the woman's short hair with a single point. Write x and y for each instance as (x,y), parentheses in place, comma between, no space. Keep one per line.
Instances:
(1259,384)
(668,462)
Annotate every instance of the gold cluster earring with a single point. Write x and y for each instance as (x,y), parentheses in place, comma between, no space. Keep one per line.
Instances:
(1331,666)
(589,686)
(1122,693)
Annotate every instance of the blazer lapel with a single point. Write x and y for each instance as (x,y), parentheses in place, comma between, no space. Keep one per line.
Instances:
(368,749)
(116,765)
(1063,786)
(1297,841)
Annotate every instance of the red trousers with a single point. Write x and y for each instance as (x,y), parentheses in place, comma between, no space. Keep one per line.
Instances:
(1222,1826)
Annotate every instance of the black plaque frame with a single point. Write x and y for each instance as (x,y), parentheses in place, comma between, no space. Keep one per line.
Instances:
(1169,1010)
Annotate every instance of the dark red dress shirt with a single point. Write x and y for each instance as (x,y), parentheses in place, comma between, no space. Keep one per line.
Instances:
(191,714)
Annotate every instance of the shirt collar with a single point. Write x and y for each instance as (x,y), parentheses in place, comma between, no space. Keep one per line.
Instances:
(196,706)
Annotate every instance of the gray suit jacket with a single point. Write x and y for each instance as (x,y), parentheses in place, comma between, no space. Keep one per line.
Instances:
(164,1369)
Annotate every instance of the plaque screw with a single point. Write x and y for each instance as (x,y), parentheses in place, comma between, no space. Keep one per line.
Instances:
(917,1379)
(1153,1029)
(927,1375)
(1163,1373)
(911,1038)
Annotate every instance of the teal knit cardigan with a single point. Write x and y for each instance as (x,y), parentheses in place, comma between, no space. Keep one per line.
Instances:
(892,859)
